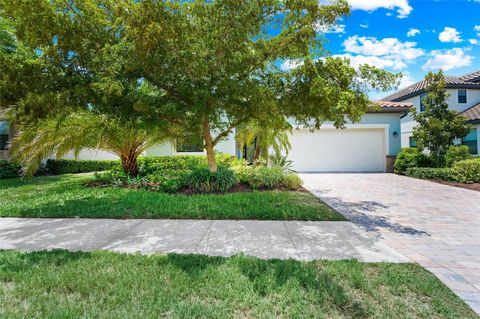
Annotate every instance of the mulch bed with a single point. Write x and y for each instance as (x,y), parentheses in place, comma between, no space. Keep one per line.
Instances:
(473,187)
(239,188)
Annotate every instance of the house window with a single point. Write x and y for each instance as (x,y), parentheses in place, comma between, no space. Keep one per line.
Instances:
(462,96)
(412,142)
(4,135)
(190,145)
(422,106)
(471,141)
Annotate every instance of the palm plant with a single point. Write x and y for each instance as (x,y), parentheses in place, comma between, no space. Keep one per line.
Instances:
(264,137)
(57,136)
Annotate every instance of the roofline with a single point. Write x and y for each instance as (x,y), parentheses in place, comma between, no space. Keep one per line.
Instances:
(474,85)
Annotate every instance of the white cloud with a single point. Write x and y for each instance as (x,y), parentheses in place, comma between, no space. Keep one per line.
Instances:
(391,48)
(473,41)
(406,80)
(450,35)
(365,26)
(477,28)
(402,6)
(413,32)
(288,65)
(380,62)
(447,60)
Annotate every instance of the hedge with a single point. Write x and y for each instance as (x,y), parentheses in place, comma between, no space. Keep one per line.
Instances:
(68,166)
(467,171)
(9,169)
(410,158)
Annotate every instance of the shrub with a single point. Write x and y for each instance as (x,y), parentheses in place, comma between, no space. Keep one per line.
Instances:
(467,171)
(292,181)
(457,153)
(410,158)
(9,169)
(268,177)
(438,174)
(202,180)
(277,160)
(68,166)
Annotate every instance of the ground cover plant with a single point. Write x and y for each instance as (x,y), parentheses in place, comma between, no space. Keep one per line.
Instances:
(67,196)
(61,284)
(189,174)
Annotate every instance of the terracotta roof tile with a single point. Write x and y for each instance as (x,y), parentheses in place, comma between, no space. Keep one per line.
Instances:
(471,80)
(389,105)
(472,113)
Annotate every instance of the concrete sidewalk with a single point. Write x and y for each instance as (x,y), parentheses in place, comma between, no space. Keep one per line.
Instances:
(263,239)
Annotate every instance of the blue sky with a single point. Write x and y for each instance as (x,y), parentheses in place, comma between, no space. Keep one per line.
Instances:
(410,36)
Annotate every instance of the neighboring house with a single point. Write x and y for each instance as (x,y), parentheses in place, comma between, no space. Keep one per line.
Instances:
(367,146)
(464,97)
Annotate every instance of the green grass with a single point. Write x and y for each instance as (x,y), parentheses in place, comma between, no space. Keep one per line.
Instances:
(59,284)
(66,196)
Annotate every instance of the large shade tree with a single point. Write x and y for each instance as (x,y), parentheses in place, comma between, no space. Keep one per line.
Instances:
(210,65)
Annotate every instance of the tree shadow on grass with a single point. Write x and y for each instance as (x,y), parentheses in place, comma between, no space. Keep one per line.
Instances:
(26,261)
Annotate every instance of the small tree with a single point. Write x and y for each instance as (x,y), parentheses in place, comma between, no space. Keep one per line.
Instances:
(437,126)
(264,137)
(58,136)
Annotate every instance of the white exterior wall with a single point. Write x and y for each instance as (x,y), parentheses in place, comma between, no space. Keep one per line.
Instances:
(92,154)
(473,98)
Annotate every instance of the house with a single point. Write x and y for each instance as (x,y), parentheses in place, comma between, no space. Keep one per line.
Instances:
(464,97)
(367,146)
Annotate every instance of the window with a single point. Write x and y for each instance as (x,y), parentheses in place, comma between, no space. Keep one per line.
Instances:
(471,141)
(190,145)
(462,96)
(412,142)
(422,106)
(4,135)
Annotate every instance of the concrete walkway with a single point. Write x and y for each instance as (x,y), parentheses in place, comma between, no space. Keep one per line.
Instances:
(264,239)
(435,225)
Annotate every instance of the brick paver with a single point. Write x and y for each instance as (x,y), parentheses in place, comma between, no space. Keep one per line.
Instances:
(435,225)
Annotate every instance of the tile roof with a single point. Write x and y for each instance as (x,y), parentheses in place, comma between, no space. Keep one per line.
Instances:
(393,106)
(472,113)
(471,80)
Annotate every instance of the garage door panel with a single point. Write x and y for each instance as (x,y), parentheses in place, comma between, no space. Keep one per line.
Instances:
(331,150)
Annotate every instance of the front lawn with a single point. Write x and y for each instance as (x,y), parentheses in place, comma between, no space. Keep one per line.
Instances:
(60,284)
(66,196)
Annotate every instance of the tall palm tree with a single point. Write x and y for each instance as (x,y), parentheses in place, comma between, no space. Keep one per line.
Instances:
(264,137)
(57,136)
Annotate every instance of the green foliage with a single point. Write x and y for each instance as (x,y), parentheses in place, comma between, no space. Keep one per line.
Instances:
(278,160)
(456,153)
(434,173)
(437,126)
(202,180)
(79,130)
(9,169)
(68,166)
(267,177)
(178,64)
(410,158)
(292,181)
(466,171)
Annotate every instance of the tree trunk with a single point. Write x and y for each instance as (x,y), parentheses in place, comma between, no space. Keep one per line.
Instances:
(129,163)
(212,162)
(256,154)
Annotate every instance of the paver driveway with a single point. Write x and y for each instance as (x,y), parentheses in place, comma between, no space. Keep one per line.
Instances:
(435,225)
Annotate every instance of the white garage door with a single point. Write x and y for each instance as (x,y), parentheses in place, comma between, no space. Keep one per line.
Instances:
(332,150)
